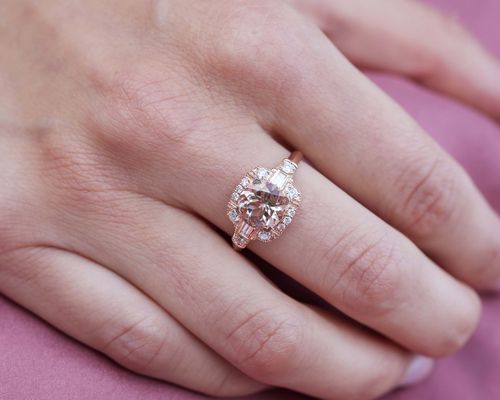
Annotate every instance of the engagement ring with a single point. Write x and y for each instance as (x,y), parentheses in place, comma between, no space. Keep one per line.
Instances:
(264,203)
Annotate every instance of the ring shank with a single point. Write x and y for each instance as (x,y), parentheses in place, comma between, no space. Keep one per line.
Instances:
(296,157)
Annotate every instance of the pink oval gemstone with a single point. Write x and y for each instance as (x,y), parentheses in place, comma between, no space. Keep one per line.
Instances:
(262,204)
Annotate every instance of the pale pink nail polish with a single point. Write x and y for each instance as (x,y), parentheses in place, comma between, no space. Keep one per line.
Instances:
(418,369)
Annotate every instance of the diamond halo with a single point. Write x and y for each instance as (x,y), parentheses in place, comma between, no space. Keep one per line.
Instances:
(264,203)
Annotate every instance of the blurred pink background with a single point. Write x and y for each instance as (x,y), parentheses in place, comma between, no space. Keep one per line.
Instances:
(38,362)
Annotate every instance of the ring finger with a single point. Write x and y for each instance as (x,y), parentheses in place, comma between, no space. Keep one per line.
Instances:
(337,248)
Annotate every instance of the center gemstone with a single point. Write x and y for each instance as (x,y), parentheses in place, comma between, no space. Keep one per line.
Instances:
(262,204)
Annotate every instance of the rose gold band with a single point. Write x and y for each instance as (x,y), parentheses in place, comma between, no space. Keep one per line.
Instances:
(296,157)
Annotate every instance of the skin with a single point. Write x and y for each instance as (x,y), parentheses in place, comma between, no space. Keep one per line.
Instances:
(125,125)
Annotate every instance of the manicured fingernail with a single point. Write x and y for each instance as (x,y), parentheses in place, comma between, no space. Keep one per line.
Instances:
(419,368)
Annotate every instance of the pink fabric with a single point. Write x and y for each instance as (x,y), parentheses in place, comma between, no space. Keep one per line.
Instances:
(38,362)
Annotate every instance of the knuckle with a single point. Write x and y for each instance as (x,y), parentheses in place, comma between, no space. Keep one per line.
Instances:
(377,379)
(232,383)
(254,42)
(72,173)
(427,65)
(362,271)
(135,345)
(458,333)
(155,116)
(430,197)
(147,110)
(265,343)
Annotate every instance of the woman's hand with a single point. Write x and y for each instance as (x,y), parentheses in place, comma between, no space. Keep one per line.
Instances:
(124,127)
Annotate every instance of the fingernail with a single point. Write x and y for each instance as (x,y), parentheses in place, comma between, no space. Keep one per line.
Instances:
(418,369)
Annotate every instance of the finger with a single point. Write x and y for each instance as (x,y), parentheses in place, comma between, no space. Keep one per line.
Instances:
(100,309)
(371,148)
(386,282)
(412,39)
(220,297)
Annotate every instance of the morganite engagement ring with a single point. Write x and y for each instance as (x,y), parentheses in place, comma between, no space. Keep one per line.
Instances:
(264,203)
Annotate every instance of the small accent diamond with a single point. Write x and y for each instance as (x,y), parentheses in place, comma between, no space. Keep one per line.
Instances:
(264,236)
(239,241)
(292,192)
(261,172)
(235,196)
(245,182)
(287,220)
(233,215)
(288,167)
(291,212)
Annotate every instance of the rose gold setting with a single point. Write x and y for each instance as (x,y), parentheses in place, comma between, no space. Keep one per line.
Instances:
(264,203)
